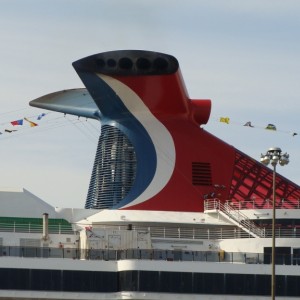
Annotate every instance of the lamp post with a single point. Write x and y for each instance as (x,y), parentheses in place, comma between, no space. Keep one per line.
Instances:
(274,156)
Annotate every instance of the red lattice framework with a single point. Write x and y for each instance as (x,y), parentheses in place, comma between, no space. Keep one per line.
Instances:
(254,181)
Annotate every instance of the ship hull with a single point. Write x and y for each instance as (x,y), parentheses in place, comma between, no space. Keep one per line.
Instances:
(31,278)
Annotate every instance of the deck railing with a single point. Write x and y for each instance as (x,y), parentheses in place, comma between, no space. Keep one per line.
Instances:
(35,228)
(210,233)
(148,254)
(215,205)
(258,203)
(162,232)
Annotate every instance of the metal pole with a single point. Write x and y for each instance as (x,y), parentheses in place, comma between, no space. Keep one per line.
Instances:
(273,283)
(274,155)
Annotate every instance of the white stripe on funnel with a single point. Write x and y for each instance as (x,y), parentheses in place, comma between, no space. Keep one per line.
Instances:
(160,136)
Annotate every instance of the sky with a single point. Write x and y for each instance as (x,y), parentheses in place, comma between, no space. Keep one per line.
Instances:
(243,55)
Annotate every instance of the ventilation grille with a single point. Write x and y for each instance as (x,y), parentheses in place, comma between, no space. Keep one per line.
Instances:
(114,169)
(201,173)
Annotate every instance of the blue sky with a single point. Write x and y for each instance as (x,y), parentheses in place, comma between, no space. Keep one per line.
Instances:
(244,55)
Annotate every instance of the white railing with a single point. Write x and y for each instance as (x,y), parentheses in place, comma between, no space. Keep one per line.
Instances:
(200,233)
(168,232)
(259,203)
(35,228)
(234,214)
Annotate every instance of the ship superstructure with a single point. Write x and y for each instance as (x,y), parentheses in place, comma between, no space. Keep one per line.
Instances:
(171,210)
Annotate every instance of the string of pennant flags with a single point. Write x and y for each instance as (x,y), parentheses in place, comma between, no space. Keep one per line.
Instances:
(21,126)
(268,126)
(20,122)
(7,129)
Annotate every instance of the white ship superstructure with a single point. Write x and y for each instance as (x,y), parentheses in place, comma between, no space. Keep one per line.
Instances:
(115,254)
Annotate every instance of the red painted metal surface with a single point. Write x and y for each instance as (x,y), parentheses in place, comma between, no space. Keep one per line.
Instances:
(233,174)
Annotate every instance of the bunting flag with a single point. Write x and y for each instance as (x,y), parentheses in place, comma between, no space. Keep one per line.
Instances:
(32,124)
(271,127)
(40,116)
(225,120)
(248,124)
(17,122)
(20,122)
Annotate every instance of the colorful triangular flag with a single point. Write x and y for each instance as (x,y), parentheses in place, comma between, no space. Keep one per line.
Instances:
(40,116)
(271,127)
(17,122)
(32,124)
(225,120)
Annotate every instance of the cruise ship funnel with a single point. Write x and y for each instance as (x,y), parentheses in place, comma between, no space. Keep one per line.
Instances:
(153,153)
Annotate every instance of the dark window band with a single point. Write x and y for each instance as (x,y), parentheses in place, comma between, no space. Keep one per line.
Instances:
(147,281)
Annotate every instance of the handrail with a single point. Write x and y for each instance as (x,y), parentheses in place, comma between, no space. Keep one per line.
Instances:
(35,228)
(241,219)
(175,232)
(201,233)
(147,254)
(259,203)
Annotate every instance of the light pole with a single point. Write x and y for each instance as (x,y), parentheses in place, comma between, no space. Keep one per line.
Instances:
(274,156)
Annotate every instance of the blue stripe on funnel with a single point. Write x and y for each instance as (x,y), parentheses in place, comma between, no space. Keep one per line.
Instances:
(113,112)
